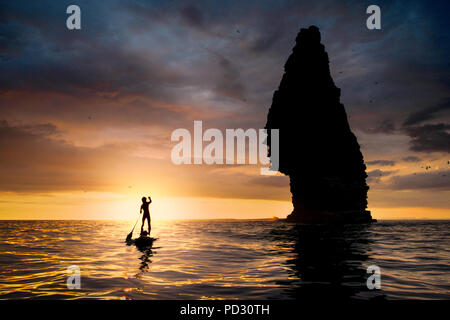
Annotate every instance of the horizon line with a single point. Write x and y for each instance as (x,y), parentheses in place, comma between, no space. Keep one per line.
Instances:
(221,219)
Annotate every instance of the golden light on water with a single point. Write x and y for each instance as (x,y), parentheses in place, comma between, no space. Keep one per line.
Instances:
(215,259)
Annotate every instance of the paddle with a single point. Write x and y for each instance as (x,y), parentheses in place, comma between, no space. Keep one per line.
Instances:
(131,233)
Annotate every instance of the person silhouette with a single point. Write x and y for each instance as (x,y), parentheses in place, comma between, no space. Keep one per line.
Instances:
(144,208)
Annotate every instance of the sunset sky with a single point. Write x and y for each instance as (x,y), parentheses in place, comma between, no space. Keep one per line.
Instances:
(86,115)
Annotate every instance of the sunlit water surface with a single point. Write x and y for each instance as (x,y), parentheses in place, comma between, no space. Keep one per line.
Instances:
(224,260)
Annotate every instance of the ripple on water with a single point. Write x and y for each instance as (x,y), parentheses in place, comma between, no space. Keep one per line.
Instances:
(224,260)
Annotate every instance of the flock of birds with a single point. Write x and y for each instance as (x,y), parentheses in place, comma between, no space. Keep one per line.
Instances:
(427,167)
(430,167)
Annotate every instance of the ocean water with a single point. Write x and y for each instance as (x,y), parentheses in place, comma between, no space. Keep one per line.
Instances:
(233,259)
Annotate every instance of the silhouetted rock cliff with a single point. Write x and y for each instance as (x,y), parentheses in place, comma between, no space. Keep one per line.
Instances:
(318,151)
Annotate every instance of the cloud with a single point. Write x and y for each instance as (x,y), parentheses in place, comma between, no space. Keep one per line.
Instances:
(411,159)
(264,41)
(119,73)
(430,138)
(426,114)
(381,163)
(433,137)
(229,81)
(386,126)
(33,161)
(271,181)
(193,16)
(439,180)
(375,175)
(139,65)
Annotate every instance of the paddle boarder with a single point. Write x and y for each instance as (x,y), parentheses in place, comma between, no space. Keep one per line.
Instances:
(144,208)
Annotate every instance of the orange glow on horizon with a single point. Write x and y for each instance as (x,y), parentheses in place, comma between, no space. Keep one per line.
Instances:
(112,206)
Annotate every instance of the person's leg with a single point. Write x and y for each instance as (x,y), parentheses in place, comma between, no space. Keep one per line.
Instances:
(142,225)
(149,226)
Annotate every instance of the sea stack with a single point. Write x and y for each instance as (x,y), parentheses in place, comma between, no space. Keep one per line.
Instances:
(317,149)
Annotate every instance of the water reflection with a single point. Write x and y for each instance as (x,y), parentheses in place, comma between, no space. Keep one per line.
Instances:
(328,261)
(145,261)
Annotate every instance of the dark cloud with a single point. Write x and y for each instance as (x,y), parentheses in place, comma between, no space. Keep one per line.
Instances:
(13,38)
(193,16)
(426,114)
(230,83)
(430,138)
(265,41)
(430,180)
(376,175)
(115,73)
(271,181)
(386,126)
(411,159)
(381,163)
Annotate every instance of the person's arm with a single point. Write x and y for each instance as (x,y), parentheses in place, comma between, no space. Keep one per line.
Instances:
(140,211)
(149,199)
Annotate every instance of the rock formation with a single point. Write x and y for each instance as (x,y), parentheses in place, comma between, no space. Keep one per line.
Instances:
(318,151)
